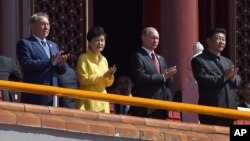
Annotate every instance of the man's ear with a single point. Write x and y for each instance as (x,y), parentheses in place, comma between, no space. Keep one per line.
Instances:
(142,38)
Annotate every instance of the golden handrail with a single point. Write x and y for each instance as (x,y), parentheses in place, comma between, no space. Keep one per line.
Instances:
(136,101)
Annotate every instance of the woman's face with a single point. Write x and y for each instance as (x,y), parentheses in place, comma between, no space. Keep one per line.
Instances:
(97,44)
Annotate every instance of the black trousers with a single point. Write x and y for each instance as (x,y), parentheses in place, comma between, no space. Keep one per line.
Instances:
(149,113)
(212,120)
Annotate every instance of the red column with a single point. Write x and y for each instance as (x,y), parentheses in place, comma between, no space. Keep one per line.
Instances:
(152,13)
(179,32)
(14,26)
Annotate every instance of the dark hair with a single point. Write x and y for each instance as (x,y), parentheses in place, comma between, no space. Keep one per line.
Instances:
(33,18)
(95,32)
(128,80)
(215,31)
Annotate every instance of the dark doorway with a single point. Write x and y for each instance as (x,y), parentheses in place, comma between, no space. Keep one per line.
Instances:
(122,20)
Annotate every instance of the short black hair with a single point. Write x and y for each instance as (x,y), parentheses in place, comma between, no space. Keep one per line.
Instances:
(95,31)
(129,80)
(215,31)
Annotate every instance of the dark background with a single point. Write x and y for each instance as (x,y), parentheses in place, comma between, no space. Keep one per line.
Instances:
(122,22)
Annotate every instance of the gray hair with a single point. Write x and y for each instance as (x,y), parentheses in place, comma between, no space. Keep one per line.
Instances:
(33,18)
(148,30)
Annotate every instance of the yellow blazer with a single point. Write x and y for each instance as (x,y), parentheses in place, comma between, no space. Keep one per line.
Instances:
(90,75)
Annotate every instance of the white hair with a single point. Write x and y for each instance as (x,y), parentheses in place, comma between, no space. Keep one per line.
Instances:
(197,49)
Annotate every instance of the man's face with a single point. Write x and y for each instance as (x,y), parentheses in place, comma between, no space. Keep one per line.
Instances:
(41,27)
(124,85)
(217,43)
(151,40)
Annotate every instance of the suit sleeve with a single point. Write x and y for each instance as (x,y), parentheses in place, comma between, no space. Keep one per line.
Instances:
(204,76)
(169,81)
(27,61)
(16,73)
(60,69)
(236,83)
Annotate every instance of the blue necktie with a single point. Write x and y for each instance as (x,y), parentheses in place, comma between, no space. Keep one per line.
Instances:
(46,48)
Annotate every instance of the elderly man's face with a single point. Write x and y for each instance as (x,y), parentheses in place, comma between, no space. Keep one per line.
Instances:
(41,27)
(151,40)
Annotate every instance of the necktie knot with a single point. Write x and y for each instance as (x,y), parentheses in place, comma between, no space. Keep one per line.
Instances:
(153,55)
(43,43)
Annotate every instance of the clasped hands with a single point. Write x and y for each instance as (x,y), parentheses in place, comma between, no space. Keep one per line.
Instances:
(59,58)
(170,72)
(111,71)
(231,73)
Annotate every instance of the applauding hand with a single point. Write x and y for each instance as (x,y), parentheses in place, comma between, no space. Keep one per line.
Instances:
(59,58)
(169,73)
(110,72)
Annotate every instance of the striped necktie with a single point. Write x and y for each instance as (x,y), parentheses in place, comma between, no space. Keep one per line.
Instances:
(156,63)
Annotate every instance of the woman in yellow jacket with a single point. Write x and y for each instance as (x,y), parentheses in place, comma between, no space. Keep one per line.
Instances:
(93,72)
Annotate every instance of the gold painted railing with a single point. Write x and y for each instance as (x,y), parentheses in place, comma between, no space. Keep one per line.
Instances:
(136,101)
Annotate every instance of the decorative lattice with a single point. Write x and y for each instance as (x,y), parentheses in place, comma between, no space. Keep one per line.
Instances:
(243,38)
(67,20)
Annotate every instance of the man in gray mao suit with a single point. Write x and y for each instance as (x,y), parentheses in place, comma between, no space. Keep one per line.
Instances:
(216,77)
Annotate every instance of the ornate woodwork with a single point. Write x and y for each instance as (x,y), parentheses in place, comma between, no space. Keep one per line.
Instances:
(243,37)
(67,20)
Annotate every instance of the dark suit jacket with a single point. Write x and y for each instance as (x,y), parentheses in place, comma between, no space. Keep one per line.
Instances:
(67,80)
(149,83)
(9,71)
(213,89)
(122,109)
(37,67)
(243,105)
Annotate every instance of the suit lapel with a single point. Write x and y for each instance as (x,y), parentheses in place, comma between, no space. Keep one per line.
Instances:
(149,60)
(221,65)
(51,48)
(40,48)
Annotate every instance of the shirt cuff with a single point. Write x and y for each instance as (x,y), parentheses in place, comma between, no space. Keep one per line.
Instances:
(164,77)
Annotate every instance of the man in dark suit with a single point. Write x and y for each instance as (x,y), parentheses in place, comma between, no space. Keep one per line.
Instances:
(124,86)
(216,77)
(9,71)
(40,59)
(67,80)
(151,75)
